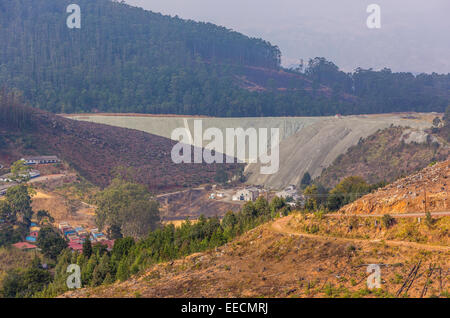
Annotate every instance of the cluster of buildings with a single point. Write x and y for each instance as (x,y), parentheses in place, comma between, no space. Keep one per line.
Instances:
(30,241)
(6,181)
(290,194)
(78,235)
(75,237)
(30,174)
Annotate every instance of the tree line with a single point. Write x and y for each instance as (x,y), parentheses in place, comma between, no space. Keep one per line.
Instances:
(349,189)
(162,64)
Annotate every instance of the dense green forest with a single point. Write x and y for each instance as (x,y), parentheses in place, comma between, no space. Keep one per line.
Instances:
(126,59)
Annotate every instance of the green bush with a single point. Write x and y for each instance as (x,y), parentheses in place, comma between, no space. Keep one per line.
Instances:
(387,221)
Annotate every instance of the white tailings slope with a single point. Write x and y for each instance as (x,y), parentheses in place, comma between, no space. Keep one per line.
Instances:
(307,143)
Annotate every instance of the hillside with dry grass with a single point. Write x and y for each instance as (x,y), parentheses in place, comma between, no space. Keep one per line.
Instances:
(318,254)
(95,151)
(425,191)
(281,259)
(192,203)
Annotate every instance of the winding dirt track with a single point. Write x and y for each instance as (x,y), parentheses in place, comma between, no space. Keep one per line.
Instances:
(398,215)
(281,226)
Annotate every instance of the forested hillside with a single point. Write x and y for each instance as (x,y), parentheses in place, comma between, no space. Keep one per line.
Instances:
(384,91)
(126,59)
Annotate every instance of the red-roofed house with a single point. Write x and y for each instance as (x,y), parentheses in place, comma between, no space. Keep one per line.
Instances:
(25,246)
(75,246)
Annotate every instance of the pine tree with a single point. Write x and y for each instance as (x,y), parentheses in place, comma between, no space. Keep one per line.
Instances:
(122,270)
(87,248)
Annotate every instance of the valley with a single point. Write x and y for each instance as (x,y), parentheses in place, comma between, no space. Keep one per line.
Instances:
(316,254)
(144,155)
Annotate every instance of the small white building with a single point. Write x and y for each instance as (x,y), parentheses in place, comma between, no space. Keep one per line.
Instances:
(248,194)
(63,225)
(40,160)
(34,174)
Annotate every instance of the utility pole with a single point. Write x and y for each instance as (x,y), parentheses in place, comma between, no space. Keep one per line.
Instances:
(425,193)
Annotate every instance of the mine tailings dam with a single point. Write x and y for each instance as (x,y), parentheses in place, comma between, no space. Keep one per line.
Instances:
(307,144)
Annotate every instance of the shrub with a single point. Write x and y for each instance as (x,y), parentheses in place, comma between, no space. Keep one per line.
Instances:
(388,221)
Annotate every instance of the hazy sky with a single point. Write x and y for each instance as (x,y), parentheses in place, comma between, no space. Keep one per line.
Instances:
(414,34)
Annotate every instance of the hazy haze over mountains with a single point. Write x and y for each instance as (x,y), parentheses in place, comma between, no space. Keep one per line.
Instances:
(414,34)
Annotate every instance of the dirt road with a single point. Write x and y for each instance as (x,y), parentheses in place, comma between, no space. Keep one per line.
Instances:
(163,195)
(282,226)
(401,215)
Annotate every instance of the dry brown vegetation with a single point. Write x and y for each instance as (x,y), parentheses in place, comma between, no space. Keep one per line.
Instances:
(427,190)
(433,232)
(276,260)
(12,258)
(96,150)
(64,209)
(317,255)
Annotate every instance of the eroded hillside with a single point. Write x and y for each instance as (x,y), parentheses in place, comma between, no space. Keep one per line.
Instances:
(192,203)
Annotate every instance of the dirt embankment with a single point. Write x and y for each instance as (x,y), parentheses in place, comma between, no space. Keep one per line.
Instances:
(65,209)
